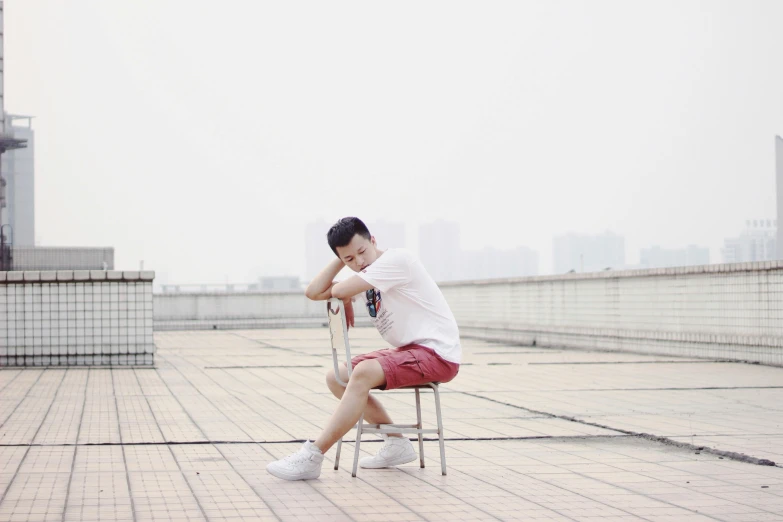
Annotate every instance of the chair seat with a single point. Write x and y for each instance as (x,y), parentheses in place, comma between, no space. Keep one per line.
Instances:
(419,386)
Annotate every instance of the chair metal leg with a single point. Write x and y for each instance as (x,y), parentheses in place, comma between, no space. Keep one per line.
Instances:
(419,426)
(358,443)
(440,430)
(337,455)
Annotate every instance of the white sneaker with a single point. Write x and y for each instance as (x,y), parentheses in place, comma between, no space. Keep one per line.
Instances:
(302,465)
(395,451)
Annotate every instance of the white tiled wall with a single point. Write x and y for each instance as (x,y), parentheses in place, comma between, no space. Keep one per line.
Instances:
(76,318)
(716,311)
(240,310)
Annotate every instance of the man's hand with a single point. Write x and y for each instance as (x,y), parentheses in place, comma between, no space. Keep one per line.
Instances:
(348,308)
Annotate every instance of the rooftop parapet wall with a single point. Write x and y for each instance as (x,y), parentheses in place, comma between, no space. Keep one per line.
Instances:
(76,318)
(242,310)
(729,311)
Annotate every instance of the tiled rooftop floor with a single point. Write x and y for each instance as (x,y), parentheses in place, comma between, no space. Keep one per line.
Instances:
(535,434)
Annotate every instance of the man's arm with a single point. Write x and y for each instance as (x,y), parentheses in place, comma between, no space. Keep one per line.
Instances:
(320,288)
(323,287)
(350,287)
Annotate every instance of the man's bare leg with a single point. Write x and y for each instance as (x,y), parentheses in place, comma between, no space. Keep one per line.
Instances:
(374,413)
(366,376)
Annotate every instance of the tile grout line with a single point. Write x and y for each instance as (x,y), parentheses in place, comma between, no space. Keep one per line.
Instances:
(24,457)
(122,448)
(741,457)
(213,445)
(262,447)
(259,378)
(76,449)
(22,399)
(398,501)
(255,442)
(603,482)
(497,487)
(19,372)
(239,399)
(190,487)
(299,441)
(663,464)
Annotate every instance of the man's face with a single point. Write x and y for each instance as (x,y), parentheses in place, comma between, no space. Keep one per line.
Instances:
(359,253)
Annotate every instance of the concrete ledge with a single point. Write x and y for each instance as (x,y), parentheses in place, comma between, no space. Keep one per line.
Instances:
(69,276)
(77,360)
(167,325)
(728,348)
(610,274)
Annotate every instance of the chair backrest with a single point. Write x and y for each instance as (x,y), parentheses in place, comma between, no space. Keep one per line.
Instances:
(338,335)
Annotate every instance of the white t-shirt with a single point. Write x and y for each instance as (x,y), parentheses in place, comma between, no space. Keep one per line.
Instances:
(410,308)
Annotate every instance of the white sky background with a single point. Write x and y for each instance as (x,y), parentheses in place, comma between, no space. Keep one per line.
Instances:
(202,136)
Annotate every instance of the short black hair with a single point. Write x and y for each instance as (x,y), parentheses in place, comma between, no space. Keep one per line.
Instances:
(343,231)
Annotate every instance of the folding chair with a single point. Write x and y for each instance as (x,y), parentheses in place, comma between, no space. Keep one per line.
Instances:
(338,331)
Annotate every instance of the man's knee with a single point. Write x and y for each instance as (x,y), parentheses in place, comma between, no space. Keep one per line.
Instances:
(368,374)
(331,379)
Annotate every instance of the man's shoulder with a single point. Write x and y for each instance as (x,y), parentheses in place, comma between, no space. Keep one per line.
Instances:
(397,256)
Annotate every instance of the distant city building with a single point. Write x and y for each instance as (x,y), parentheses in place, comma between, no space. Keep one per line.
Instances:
(441,255)
(756,243)
(18,180)
(439,252)
(588,253)
(491,263)
(317,251)
(779,176)
(388,234)
(657,257)
(277,284)
(439,249)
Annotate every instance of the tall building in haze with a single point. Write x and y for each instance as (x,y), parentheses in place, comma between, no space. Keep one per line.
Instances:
(387,234)
(439,249)
(756,243)
(441,255)
(779,177)
(18,172)
(317,251)
(588,253)
(491,263)
(657,257)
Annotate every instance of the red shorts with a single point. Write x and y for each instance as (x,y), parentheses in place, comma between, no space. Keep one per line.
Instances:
(410,365)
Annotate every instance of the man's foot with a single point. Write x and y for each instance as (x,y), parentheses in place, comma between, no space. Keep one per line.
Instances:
(302,465)
(395,451)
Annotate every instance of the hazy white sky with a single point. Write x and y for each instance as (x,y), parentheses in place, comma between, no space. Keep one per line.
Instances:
(202,136)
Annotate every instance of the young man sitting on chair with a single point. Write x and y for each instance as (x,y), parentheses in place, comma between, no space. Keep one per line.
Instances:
(411,315)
